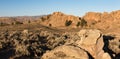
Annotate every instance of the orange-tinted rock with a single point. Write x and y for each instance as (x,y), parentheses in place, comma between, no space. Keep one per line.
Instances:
(58,19)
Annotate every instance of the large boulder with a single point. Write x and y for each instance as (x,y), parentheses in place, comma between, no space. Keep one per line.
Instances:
(92,41)
(66,52)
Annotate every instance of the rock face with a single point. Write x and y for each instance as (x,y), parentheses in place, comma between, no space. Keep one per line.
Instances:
(92,16)
(96,20)
(66,52)
(96,16)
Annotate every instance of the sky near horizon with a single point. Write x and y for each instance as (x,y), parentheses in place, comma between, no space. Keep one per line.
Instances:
(43,7)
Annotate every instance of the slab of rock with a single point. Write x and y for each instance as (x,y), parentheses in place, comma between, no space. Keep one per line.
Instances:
(92,41)
(66,52)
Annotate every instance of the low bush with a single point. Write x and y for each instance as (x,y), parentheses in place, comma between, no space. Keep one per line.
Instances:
(68,23)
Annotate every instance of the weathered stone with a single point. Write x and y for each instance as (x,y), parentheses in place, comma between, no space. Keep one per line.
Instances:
(91,41)
(66,52)
(106,56)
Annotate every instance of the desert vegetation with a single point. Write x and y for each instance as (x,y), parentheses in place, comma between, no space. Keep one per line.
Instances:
(68,23)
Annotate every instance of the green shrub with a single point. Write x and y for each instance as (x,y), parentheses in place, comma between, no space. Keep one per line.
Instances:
(83,23)
(78,24)
(29,21)
(17,22)
(68,23)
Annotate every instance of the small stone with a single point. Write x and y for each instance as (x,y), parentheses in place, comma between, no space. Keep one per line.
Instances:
(25,31)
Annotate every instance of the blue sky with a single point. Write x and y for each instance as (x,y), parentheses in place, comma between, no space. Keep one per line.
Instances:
(41,7)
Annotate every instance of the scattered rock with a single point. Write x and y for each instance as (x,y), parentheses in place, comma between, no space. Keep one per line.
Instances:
(25,31)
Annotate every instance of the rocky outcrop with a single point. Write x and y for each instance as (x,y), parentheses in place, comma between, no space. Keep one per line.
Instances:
(89,41)
(92,16)
(92,42)
(105,16)
(96,20)
(115,14)
(58,19)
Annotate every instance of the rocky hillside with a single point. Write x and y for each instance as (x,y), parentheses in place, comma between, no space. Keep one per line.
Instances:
(105,16)
(97,20)
(18,20)
(58,19)
(61,36)
(109,21)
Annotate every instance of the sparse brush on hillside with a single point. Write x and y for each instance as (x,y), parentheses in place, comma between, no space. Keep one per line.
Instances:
(68,23)
(45,18)
(78,24)
(83,23)
(3,24)
(17,22)
(31,44)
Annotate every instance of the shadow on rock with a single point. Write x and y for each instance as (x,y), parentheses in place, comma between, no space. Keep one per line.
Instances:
(117,56)
(6,54)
